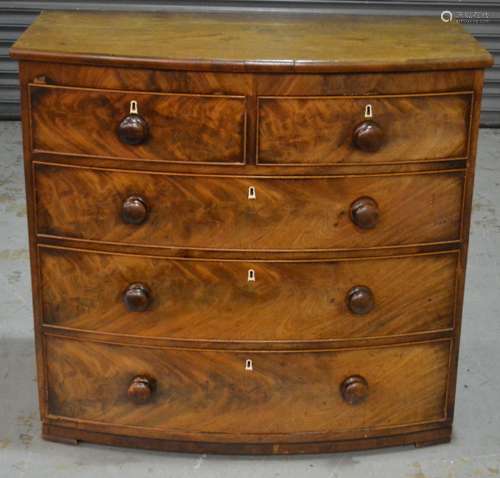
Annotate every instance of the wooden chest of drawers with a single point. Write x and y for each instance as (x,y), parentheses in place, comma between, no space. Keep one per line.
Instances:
(248,233)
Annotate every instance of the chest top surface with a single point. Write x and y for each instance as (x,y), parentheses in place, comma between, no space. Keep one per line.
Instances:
(251,42)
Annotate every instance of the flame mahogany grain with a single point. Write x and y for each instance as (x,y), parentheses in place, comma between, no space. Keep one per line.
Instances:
(215,213)
(331,130)
(196,299)
(210,394)
(177,128)
(148,332)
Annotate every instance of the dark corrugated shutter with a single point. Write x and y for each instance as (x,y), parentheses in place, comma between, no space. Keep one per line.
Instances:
(15,16)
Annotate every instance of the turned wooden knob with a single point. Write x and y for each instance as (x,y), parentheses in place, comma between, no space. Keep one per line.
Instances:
(133,130)
(140,389)
(360,300)
(354,390)
(134,210)
(368,137)
(136,297)
(365,213)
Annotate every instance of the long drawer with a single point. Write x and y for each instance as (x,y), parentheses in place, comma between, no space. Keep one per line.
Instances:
(152,126)
(249,395)
(242,213)
(247,301)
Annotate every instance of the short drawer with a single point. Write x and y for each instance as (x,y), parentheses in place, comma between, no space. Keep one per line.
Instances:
(138,125)
(241,213)
(380,129)
(217,300)
(251,395)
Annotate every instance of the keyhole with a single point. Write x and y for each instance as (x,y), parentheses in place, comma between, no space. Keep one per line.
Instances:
(252,194)
(248,364)
(251,275)
(368,111)
(133,107)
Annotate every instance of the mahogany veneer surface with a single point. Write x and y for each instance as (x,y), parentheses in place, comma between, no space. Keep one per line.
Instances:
(249,41)
(248,233)
(319,130)
(204,391)
(84,291)
(184,128)
(215,212)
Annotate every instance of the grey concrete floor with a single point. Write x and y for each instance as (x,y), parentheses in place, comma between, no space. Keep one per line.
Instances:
(474,451)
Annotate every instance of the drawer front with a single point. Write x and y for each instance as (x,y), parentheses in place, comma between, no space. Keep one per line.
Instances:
(335,130)
(217,213)
(224,393)
(167,127)
(247,301)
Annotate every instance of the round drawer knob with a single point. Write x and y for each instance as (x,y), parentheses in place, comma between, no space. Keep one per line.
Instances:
(136,297)
(368,137)
(134,210)
(360,300)
(365,213)
(354,390)
(133,130)
(140,389)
